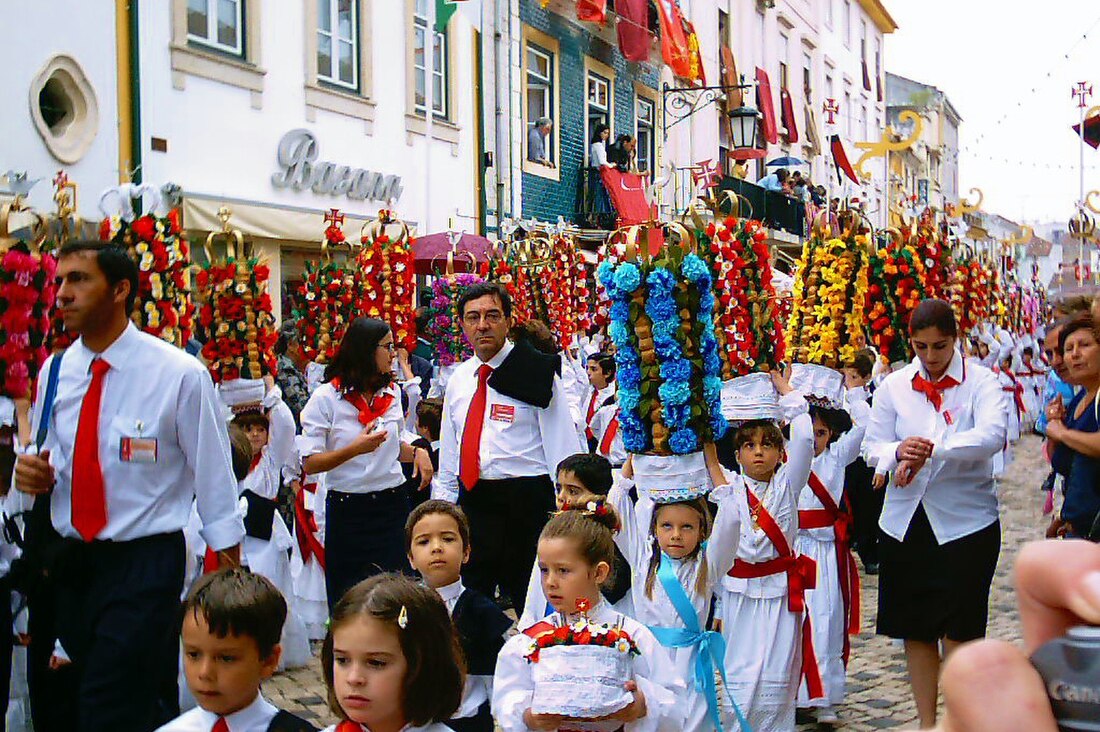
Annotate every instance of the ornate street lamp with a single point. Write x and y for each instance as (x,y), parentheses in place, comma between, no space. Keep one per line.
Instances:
(744,126)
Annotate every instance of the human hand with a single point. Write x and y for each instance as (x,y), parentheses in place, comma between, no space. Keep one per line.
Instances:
(914,448)
(879,481)
(269,382)
(542,721)
(990,686)
(782,382)
(1056,410)
(369,439)
(633,711)
(1057,528)
(422,467)
(907,470)
(34,474)
(296,486)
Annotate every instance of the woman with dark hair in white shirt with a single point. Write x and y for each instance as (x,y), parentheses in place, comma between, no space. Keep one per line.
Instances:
(351,431)
(936,425)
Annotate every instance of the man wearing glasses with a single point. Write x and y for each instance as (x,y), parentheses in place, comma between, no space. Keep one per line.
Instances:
(506,426)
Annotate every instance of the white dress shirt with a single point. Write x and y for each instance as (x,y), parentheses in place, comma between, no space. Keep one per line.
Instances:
(956,485)
(330,422)
(601,421)
(830,467)
(256,717)
(153,391)
(601,396)
(517,439)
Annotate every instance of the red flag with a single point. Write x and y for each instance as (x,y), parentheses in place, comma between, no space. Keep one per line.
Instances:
(788,115)
(841,159)
(674,45)
(633,29)
(1092,130)
(592,11)
(767,109)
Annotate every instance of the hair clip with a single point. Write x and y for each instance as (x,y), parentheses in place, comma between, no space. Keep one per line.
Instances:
(403,618)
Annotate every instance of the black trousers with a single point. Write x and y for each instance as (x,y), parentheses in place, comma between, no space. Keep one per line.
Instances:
(506,518)
(364,536)
(118,617)
(866,510)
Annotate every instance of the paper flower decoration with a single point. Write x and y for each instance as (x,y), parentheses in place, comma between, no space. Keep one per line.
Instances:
(163,306)
(828,298)
(444,327)
(667,353)
(27,294)
(387,278)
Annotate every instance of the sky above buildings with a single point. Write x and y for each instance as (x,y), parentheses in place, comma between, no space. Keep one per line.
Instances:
(1008,67)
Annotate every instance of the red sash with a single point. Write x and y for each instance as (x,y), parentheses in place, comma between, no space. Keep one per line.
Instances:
(368,412)
(841,521)
(1017,391)
(609,436)
(801,576)
(305,526)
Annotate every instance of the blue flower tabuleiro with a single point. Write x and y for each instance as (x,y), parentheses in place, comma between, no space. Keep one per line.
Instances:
(662,325)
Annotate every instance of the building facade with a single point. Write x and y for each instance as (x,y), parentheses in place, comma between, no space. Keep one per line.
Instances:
(929,171)
(278,110)
(804,52)
(60,101)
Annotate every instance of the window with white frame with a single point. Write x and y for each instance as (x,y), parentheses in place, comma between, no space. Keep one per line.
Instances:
(598,103)
(217,24)
(540,91)
(645,121)
(807,76)
(847,29)
(829,13)
(438,61)
(338,42)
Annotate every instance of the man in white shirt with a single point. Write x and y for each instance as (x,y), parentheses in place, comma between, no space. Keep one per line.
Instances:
(506,426)
(134,435)
(936,424)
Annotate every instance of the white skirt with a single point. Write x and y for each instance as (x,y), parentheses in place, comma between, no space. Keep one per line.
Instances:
(271,559)
(763,658)
(309,593)
(828,620)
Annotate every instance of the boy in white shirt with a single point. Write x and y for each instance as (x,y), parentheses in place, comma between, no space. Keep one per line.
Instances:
(232,622)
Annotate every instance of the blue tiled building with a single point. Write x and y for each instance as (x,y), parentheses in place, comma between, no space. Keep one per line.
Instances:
(574,73)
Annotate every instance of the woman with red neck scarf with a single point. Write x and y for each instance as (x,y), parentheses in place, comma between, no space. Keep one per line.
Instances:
(936,426)
(351,431)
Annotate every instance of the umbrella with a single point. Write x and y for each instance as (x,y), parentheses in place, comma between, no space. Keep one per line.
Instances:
(430,251)
(785,161)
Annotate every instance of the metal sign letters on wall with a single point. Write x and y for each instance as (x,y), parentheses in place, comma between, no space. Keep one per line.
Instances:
(299,169)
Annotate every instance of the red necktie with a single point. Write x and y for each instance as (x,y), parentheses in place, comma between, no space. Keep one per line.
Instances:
(591,411)
(220,726)
(933,389)
(89,500)
(469,466)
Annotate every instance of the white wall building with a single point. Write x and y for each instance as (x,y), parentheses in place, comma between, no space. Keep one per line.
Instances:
(58,93)
(816,50)
(279,109)
(246,110)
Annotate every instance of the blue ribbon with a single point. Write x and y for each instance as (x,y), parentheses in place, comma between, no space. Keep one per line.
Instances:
(709,645)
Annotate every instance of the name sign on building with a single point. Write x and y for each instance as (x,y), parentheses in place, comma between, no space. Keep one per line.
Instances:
(300,169)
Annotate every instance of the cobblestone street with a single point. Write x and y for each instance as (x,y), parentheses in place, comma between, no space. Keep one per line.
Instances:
(878,693)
